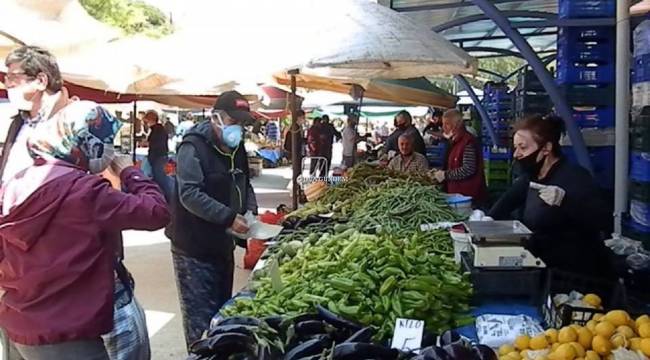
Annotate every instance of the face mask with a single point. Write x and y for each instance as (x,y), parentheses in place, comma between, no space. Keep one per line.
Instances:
(530,165)
(17,98)
(230,134)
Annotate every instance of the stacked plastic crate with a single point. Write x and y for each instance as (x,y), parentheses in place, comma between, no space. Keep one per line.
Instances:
(498,102)
(585,71)
(530,96)
(638,226)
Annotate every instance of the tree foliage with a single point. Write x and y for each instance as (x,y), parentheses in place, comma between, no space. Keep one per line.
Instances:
(132,16)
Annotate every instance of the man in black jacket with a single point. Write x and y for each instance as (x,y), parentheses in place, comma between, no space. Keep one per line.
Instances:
(213,193)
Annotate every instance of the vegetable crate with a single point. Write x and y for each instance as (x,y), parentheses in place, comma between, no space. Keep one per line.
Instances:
(636,231)
(575,9)
(559,282)
(528,81)
(590,95)
(640,190)
(641,69)
(583,73)
(596,34)
(640,166)
(594,117)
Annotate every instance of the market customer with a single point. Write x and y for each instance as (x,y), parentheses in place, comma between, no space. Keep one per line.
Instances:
(350,139)
(404,125)
(59,230)
(288,139)
(329,134)
(158,150)
(213,194)
(408,160)
(561,202)
(463,170)
(315,147)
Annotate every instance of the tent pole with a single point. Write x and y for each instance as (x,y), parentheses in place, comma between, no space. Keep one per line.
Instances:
(622,111)
(134,145)
(295,148)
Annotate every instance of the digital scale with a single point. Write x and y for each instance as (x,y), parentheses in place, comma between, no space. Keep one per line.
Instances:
(500,245)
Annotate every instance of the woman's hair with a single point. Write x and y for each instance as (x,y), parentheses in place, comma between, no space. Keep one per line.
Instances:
(545,129)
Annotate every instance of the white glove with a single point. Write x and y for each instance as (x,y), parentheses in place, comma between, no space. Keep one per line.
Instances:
(552,195)
(439,176)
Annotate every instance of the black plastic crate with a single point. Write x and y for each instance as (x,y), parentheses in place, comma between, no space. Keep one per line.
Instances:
(522,283)
(612,294)
(590,95)
(533,102)
(528,81)
(640,138)
(640,191)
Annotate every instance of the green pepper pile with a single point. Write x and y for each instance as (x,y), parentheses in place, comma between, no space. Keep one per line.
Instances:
(371,279)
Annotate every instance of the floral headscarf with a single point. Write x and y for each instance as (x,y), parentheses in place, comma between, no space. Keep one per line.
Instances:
(82,134)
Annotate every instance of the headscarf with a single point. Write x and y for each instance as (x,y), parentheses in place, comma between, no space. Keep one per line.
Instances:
(81,134)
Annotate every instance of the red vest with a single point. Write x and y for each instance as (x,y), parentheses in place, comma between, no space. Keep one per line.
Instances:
(475,185)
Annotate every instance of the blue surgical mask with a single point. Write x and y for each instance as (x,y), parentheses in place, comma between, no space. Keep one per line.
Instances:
(231,135)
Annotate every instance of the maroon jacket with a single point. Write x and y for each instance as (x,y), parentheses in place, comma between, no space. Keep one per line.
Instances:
(474,186)
(57,249)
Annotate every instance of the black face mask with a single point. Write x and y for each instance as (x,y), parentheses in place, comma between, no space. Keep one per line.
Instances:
(402,126)
(529,164)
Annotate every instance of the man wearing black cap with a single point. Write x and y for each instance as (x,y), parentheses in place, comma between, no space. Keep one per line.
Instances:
(213,192)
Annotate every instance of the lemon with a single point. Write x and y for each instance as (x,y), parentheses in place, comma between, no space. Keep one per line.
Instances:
(506,349)
(619,341)
(521,342)
(635,344)
(593,300)
(551,335)
(514,355)
(642,320)
(575,327)
(601,345)
(591,325)
(565,352)
(618,317)
(598,317)
(542,357)
(605,329)
(584,338)
(579,358)
(645,347)
(592,355)
(538,342)
(524,354)
(644,330)
(625,331)
(580,350)
(567,335)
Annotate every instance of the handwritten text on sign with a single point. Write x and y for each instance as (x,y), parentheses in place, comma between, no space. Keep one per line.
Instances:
(408,334)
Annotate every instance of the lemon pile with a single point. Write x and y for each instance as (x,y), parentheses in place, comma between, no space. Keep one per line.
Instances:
(595,341)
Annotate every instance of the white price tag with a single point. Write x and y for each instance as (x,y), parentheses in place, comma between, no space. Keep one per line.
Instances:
(408,335)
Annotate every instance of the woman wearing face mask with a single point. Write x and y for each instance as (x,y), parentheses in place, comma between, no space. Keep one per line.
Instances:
(58,231)
(559,201)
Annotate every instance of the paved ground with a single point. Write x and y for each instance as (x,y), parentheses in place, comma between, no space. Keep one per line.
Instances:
(148,258)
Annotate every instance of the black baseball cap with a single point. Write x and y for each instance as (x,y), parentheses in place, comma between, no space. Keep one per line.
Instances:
(236,106)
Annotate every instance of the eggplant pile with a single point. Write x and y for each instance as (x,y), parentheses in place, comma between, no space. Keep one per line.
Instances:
(452,347)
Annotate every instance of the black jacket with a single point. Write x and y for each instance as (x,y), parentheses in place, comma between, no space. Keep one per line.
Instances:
(567,237)
(212,187)
(418,141)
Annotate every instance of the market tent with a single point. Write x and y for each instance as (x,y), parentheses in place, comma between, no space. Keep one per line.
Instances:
(418,91)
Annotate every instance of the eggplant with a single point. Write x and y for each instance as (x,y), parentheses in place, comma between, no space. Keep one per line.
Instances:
(364,335)
(239,320)
(274,322)
(435,353)
(354,351)
(308,348)
(304,317)
(459,352)
(484,352)
(336,321)
(428,339)
(224,344)
(449,337)
(236,328)
(309,327)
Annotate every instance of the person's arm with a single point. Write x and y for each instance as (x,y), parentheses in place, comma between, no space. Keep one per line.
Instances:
(337,134)
(467,170)
(511,200)
(140,206)
(191,185)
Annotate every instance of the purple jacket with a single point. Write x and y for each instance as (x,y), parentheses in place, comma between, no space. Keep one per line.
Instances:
(57,249)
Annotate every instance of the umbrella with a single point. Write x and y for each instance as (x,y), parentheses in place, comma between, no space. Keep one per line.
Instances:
(418,91)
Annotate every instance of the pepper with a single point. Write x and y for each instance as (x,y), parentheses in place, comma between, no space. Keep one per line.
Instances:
(388,285)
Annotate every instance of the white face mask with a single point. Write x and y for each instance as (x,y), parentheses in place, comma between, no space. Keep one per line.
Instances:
(16,97)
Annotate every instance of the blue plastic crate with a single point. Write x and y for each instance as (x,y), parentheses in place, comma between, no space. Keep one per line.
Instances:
(602,159)
(584,74)
(490,153)
(640,166)
(586,8)
(641,69)
(586,53)
(597,34)
(594,118)
(640,212)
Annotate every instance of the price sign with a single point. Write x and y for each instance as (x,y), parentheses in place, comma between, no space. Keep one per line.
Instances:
(408,334)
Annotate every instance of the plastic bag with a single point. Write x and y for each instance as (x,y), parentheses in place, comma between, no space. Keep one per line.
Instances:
(638,261)
(623,246)
(257,229)
(496,330)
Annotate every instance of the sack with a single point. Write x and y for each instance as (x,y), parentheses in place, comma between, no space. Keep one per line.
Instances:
(129,339)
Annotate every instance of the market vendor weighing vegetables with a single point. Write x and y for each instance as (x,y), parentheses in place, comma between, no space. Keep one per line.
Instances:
(560,201)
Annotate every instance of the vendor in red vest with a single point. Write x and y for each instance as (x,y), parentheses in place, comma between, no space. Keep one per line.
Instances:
(463,170)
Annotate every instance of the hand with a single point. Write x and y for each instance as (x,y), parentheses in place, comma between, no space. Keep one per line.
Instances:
(392,154)
(552,195)
(239,225)
(439,175)
(121,162)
